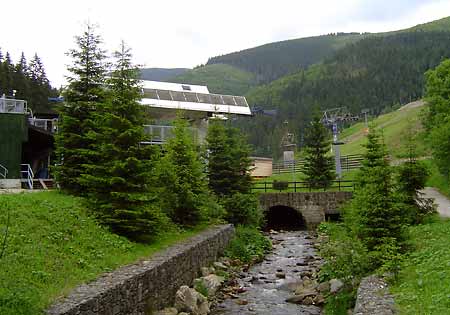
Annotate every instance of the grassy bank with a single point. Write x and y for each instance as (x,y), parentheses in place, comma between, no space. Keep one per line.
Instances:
(395,126)
(436,179)
(423,285)
(53,245)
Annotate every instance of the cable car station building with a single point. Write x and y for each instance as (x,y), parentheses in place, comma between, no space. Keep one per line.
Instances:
(27,142)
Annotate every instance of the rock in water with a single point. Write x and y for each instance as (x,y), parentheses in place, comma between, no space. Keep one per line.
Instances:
(190,301)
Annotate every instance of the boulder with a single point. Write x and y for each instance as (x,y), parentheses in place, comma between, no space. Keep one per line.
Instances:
(323,287)
(190,301)
(205,271)
(319,299)
(220,266)
(211,283)
(306,297)
(336,285)
(167,311)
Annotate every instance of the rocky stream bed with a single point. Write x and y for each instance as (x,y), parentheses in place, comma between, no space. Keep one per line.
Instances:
(283,284)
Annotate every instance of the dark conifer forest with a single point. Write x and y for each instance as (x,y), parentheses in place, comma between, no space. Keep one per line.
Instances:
(26,80)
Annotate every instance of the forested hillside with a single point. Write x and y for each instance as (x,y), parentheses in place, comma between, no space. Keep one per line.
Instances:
(274,60)
(220,78)
(161,74)
(27,80)
(375,73)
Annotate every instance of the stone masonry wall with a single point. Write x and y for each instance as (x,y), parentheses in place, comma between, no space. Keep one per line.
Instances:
(149,285)
(373,298)
(312,205)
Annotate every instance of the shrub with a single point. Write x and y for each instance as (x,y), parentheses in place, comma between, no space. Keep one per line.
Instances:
(346,256)
(211,210)
(243,209)
(280,185)
(249,244)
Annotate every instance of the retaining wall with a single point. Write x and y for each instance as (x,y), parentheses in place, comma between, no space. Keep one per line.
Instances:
(373,298)
(150,284)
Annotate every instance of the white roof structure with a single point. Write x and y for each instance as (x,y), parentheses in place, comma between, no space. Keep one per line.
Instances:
(191,97)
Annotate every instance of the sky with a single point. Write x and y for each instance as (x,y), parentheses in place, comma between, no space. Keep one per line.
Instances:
(176,33)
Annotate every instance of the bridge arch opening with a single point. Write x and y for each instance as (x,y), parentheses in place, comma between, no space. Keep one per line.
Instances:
(284,218)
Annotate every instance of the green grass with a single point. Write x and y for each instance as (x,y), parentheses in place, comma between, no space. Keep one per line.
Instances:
(395,126)
(220,78)
(423,286)
(436,179)
(53,245)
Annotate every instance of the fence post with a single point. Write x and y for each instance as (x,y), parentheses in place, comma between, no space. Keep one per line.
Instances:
(295,186)
(339,185)
(265,186)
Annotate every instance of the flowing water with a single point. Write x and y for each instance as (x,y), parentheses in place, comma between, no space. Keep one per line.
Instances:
(268,284)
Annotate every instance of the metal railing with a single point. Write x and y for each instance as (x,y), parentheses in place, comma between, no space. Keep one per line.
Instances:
(348,162)
(159,134)
(27,175)
(336,185)
(3,172)
(12,105)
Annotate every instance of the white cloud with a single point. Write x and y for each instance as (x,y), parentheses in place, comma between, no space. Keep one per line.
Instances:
(175,33)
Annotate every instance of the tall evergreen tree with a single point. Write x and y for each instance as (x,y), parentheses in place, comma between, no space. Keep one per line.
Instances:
(318,166)
(182,178)
(228,160)
(83,96)
(374,215)
(118,182)
(21,79)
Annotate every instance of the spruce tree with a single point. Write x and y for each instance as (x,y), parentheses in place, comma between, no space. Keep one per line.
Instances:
(83,96)
(118,183)
(228,160)
(374,215)
(319,166)
(182,178)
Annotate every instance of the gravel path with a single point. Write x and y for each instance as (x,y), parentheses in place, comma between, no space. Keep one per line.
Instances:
(442,201)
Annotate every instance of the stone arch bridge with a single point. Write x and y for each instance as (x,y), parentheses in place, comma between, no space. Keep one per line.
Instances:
(306,208)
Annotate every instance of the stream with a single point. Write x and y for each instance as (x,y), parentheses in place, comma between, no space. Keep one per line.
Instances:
(268,284)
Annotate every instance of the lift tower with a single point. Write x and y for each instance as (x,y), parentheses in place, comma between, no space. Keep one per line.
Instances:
(332,118)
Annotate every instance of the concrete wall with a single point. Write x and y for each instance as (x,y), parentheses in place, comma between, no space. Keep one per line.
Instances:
(149,285)
(10,184)
(312,205)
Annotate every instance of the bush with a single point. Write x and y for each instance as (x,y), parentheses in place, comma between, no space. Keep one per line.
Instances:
(243,209)
(346,257)
(211,210)
(248,245)
(280,185)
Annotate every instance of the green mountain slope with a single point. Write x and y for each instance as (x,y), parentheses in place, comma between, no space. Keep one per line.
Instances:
(272,61)
(161,74)
(438,25)
(374,73)
(395,127)
(220,78)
